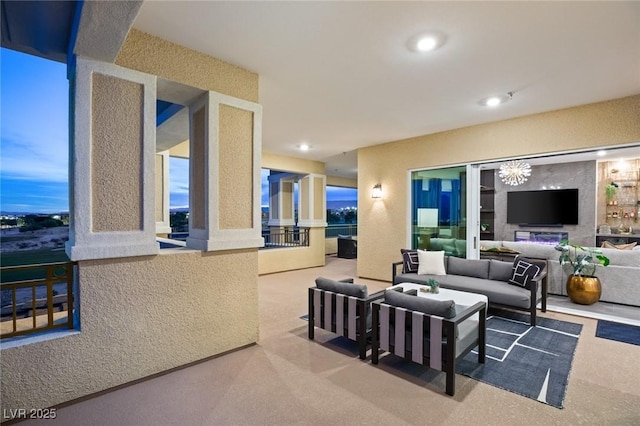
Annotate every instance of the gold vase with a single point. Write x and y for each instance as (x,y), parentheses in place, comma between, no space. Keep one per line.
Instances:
(583,290)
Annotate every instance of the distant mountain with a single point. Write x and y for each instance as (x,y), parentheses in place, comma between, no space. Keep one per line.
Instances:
(5,213)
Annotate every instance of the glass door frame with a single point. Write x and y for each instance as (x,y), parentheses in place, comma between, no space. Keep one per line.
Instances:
(472,218)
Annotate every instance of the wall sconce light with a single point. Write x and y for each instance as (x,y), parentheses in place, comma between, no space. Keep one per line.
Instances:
(377,191)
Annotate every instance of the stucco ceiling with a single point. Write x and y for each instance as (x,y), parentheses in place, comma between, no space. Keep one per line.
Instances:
(339,75)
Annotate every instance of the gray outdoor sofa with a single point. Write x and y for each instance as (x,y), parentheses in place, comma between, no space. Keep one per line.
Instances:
(488,277)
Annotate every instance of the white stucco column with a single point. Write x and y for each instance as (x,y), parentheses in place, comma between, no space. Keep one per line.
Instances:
(224,167)
(112,170)
(312,201)
(281,203)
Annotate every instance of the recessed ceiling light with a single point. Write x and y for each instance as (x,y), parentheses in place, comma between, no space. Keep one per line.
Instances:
(426,42)
(304,147)
(494,101)
(602,153)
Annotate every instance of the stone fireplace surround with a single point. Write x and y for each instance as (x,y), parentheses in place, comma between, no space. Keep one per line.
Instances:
(581,175)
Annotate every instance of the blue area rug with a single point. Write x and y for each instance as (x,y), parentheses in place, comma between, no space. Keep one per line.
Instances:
(619,332)
(531,361)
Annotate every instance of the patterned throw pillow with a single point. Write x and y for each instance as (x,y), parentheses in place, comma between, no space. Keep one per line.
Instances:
(523,272)
(409,261)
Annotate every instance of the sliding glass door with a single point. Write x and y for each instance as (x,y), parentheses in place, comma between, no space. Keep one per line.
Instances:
(439,210)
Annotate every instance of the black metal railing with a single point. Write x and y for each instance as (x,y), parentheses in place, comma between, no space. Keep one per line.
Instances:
(333,231)
(31,295)
(289,238)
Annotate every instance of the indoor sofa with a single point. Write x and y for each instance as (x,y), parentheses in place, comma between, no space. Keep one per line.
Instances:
(620,280)
(494,278)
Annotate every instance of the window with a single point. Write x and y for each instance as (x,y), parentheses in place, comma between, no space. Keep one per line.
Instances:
(34,184)
(342,211)
(438,210)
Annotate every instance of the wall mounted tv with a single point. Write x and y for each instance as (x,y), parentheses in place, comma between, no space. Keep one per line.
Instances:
(554,207)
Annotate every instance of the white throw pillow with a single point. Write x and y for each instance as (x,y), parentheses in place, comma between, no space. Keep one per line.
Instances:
(431,263)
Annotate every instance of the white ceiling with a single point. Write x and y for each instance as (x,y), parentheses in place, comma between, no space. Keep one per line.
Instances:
(339,76)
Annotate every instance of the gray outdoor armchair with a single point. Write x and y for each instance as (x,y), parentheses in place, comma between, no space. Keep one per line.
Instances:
(434,333)
(347,247)
(343,308)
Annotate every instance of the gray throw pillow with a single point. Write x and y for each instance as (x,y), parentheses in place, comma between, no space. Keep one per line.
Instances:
(441,308)
(345,288)
(523,272)
(409,261)
(500,271)
(468,267)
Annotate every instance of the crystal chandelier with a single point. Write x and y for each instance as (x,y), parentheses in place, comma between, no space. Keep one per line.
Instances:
(514,172)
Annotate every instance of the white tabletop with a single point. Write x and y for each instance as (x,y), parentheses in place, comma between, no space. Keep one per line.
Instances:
(463,298)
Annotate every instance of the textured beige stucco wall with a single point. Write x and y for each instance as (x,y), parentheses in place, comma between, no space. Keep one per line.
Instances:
(382,223)
(235,179)
(331,245)
(153,55)
(274,207)
(116,154)
(181,150)
(197,171)
(290,164)
(342,181)
(318,199)
(140,316)
(288,259)
(304,197)
(287,200)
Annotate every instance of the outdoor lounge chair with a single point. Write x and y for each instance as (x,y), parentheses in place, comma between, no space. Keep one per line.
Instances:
(343,308)
(430,332)
(347,247)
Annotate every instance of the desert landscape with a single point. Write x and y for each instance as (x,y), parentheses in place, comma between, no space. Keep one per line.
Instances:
(29,247)
(12,239)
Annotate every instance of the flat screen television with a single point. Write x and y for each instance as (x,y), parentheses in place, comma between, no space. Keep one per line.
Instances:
(553,207)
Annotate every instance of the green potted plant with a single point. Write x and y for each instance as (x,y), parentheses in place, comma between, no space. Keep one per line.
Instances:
(610,191)
(583,286)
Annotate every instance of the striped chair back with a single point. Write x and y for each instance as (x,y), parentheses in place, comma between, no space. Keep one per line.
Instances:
(335,312)
(341,314)
(394,323)
(426,339)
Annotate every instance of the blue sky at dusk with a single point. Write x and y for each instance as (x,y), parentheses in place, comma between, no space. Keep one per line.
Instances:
(34,149)
(34,134)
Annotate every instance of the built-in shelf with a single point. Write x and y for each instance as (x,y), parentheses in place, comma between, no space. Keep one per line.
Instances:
(622,208)
(487,201)
(617,238)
